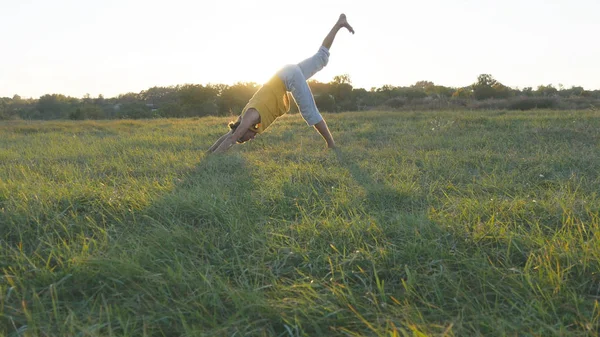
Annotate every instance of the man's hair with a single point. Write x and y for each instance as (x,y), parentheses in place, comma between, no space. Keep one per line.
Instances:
(234,125)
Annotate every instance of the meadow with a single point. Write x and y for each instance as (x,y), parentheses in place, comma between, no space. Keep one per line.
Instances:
(460,223)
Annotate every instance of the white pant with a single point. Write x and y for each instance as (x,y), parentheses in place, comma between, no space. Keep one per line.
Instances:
(295,75)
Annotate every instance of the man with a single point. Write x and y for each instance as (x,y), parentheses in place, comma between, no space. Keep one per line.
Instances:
(271,100)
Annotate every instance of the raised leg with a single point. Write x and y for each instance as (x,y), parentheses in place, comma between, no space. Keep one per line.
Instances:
(341,23)
(315,63)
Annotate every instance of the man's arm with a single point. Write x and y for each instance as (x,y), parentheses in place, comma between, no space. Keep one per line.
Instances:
(250,118)
(218,142)
(324,131)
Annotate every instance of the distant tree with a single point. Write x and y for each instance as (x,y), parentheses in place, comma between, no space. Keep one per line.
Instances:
(93,111)
(395,102)
(527,91)
(322,93)
(546,90)
(463,93)
(157,96)
(363,98)
(100,100)
(487,87)
(319,88)
(341,90)
(55,106)
(182,101)
(430,89)
(134,110)
(501,91)
(424,85)
(325,102)
(87,99)
(219,88)
(128,98)
(483,88)
(440,91)
(4,104)
(342,79)
(377,96)
(23,108)
(196,94)
(571,92)
(386,89)
(76,114)
(577,91)
(234,98)
(411,93)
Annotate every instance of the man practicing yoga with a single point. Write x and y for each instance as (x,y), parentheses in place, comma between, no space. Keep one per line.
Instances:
(271,100)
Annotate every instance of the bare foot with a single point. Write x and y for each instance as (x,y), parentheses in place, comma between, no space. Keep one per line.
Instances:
(342,22)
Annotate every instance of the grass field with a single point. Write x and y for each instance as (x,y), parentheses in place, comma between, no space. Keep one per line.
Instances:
(420,224)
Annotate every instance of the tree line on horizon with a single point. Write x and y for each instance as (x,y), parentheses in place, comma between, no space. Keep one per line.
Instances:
(196,100)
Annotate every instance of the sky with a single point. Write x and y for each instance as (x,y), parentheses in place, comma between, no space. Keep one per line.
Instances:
(111,47)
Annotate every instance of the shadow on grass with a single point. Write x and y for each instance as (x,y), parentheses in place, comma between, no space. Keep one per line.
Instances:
(381,197)
(179,266)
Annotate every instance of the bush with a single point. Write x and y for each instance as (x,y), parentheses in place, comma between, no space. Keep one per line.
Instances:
(135,111)
(325,102)
(395,102)
(347,105)
(529,103)
(489,104)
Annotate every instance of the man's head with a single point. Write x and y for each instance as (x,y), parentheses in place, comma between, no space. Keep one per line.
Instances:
(249,135)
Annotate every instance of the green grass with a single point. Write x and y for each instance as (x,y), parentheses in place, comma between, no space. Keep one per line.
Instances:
(438,224)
